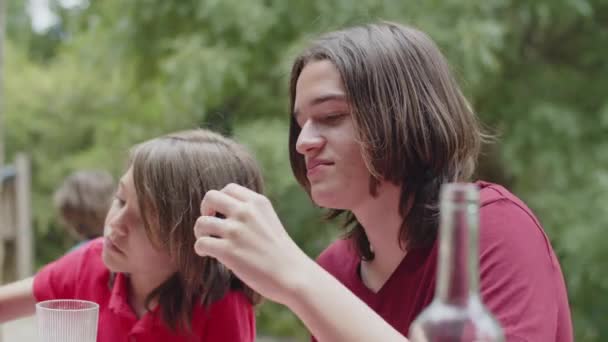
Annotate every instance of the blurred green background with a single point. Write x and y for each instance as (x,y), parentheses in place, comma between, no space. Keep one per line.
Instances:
(94,77)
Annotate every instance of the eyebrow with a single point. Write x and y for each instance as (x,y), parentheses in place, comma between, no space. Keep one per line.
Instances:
(321,99)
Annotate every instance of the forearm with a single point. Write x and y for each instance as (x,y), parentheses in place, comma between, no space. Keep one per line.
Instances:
(252,242)
(17,300)
(334,313)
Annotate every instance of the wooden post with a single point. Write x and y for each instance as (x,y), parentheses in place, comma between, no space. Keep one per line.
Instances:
(1,86)
(25,236)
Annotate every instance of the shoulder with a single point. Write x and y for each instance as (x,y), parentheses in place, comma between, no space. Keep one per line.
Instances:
(234,298)
(73,274)
(508,227)
(231,318)
(86,259)
(234,303)
(337,255)
(500,209)
(494,194)
(521,280)
(94,246)
(90,258)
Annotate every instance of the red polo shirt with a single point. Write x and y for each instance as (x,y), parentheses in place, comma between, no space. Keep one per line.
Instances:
(82,275)
(520,277)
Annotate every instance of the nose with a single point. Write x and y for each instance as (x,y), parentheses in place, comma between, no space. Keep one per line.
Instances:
(116,230)
(309,139)
(115,224)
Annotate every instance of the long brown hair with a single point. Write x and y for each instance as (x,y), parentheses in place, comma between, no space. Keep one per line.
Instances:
(171,174)
(416,128)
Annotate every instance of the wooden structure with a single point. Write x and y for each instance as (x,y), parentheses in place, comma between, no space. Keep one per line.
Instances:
(16,217)
(15,221)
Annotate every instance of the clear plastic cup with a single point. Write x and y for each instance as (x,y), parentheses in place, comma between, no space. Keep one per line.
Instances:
(67,320)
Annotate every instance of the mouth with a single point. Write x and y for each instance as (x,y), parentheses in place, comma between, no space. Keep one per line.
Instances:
(315,163)
(314,168)
(108,243)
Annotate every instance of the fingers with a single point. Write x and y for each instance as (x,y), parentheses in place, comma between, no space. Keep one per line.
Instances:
(240,192)
(211,247)
(223,215)
(212,226)
(218,202)
(213,237)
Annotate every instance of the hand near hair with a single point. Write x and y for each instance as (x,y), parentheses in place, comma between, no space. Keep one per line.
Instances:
(251,241)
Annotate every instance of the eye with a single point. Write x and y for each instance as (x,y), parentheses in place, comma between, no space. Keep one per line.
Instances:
(298,123)
(333,119)
(118,201)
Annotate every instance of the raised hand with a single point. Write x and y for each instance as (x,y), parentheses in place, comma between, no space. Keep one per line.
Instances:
(240,228)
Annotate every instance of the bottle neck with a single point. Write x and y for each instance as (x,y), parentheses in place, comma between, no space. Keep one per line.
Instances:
(458,269)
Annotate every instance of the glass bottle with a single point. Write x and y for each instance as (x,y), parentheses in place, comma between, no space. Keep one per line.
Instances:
(457,312)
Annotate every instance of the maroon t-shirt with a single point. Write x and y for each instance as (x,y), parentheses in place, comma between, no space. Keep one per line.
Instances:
(521,280)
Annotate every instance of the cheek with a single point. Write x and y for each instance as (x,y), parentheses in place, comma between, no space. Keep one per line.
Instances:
(158,259)
(356,163)
(150,254)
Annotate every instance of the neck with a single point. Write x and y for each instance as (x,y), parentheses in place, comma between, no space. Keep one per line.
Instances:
(140,287)
(381,221)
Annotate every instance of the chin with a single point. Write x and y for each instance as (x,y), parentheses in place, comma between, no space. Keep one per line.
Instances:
(326,199)
(110,262)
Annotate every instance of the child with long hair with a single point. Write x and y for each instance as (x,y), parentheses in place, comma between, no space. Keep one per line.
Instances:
(144,274)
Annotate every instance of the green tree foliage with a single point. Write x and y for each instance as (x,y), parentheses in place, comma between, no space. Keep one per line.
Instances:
(117,72)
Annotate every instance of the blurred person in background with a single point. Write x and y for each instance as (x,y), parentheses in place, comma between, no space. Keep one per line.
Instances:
(82,202)
(377,125)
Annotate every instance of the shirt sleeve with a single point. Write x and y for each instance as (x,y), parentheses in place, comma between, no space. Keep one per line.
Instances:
(518,272)
(58,280)
(231,319)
